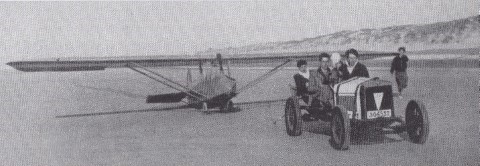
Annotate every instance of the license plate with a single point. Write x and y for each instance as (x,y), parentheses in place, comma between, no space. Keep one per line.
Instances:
(379,113)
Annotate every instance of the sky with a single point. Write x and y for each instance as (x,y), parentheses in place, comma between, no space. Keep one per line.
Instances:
(37,30)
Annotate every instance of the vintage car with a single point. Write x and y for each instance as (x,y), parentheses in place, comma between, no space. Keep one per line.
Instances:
(358,101)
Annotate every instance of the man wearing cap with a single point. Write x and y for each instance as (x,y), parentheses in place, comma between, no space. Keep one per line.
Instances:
(353,68)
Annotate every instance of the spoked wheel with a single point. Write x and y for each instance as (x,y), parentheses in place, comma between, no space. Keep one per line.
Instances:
(416,120)
(340,127)
(293,117)
(227,106)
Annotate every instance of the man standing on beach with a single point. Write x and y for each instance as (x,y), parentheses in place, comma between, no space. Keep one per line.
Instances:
(399,66)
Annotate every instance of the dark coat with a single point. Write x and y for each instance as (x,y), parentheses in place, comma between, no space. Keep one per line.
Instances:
(319,83)
(399,64)
(360,70)
(301,84)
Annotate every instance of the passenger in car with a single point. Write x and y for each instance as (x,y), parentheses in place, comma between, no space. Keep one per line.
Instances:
(353,68)
(301,78)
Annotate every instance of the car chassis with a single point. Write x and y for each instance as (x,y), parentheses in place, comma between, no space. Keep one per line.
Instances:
(360,101)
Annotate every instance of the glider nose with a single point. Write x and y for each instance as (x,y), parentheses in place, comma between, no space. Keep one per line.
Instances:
(10,64)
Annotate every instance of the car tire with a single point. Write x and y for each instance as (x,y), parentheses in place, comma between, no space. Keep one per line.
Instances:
(293,117)
(340,128)
(416,120)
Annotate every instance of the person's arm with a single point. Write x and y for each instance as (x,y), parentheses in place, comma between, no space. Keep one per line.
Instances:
(360,70)
(335,76)
(366,72)
(296,77)
(312,83)
(343,69)
(300,84)
(316,85)
(315,82)
(392,67)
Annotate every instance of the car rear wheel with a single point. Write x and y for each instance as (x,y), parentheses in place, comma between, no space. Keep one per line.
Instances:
(340,127)
(416,120)
(293,117)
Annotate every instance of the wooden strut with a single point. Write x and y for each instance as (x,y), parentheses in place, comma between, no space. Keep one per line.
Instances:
(166,82)
(171,81)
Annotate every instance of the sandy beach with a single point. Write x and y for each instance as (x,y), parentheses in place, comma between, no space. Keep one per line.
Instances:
(32,134)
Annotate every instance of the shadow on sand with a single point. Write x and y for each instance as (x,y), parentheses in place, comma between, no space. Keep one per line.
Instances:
(238,108)
(121,112)
(360,135)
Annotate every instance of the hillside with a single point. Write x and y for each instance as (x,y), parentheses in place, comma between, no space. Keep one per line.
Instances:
(456,34)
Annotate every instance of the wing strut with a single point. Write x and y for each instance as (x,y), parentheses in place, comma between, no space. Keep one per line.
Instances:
(263,77)
(168,82)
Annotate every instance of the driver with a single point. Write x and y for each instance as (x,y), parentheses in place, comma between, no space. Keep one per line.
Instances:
(320,83)
(353,67)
